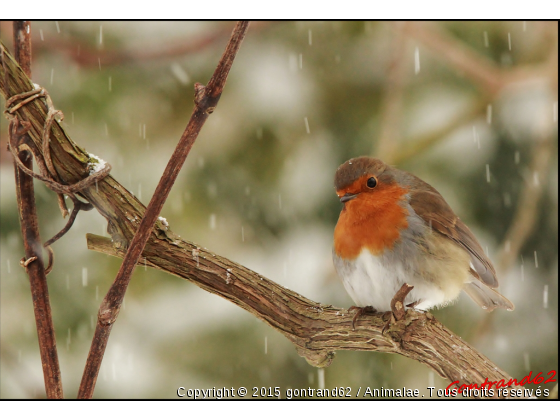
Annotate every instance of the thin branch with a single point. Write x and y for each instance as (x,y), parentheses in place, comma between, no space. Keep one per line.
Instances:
(206,100)
(22,44)
(30,233)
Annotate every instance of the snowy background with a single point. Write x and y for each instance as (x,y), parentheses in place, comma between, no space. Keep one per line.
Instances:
(470,107)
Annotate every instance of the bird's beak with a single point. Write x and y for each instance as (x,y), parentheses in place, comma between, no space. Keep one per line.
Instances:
(347,197)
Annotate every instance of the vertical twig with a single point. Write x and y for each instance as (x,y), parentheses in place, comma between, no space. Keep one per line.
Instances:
(31,240)
(206,99)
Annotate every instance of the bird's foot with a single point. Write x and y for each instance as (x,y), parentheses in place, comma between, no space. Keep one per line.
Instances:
(359,312)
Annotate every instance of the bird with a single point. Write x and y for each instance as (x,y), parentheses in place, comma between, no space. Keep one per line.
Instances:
(394,229)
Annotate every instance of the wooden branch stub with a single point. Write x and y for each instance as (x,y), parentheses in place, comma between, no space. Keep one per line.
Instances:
(397,303)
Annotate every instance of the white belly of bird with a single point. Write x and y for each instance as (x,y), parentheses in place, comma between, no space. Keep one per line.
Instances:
(370,282)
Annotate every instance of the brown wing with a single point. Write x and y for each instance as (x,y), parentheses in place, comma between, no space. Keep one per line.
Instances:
(433,209)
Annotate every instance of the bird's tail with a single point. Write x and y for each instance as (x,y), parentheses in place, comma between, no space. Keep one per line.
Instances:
(486,297)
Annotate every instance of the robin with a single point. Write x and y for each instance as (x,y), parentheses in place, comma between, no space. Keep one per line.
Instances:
(395,228)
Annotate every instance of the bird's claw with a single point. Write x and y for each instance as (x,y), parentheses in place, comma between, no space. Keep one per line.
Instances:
(389,322)
(359,312)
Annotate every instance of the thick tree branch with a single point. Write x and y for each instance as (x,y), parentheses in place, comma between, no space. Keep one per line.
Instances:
(316,330)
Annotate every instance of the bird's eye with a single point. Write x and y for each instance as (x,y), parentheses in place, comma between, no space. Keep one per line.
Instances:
(371,182)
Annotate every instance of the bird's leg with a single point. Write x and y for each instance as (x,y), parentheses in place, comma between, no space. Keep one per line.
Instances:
(360,311)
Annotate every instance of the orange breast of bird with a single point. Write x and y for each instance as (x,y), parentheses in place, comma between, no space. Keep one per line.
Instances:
(372,220)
